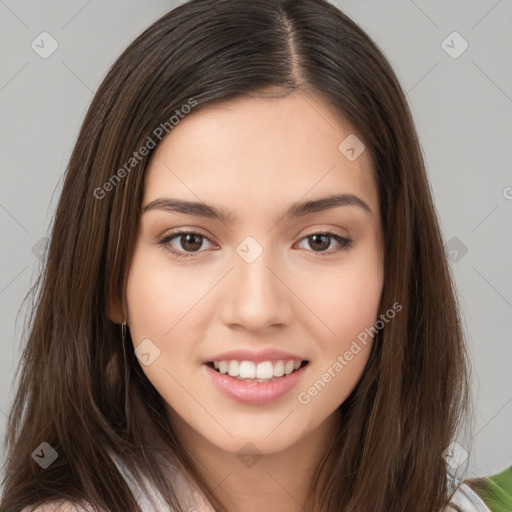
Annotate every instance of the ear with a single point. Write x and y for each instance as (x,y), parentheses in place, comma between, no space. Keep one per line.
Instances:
(115,310)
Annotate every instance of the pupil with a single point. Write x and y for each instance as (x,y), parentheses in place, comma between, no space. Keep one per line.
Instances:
(325,240)
(191,238)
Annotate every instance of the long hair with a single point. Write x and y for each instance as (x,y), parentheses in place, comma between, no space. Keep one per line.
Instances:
(80,389)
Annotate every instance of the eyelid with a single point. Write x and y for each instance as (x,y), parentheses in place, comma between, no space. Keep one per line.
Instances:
(315,230)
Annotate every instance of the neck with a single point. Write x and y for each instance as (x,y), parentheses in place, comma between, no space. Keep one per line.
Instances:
(251,482)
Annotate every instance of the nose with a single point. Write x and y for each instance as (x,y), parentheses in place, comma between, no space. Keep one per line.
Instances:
(257,297)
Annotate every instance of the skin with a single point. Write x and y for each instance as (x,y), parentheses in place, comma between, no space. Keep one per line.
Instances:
(256,156)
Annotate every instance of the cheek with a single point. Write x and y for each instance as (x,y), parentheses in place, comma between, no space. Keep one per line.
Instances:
(160,305)
(344,299)
(347,303)
(160,296)
(350,306)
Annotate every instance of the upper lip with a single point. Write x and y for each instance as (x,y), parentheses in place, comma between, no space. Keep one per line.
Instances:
(269,354)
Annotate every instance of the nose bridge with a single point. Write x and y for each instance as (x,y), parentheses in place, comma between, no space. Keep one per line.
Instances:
(256,298)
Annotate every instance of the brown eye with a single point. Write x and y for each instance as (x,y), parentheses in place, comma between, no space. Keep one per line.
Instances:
(189,243)
(320,242)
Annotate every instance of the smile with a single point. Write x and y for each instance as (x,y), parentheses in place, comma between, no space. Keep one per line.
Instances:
(255,383)
(264,371)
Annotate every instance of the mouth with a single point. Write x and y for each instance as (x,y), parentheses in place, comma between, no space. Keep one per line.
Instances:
(265,371)
(255,384)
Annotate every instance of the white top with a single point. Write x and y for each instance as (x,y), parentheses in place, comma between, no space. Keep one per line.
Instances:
(191,499)
(463,500)
(466,500)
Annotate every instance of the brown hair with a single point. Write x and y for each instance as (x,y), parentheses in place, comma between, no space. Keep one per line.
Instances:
(79,386)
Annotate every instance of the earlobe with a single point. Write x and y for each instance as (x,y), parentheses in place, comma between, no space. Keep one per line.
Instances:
(115,311)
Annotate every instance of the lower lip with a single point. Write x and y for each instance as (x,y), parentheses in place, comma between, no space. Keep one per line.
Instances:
(255,393)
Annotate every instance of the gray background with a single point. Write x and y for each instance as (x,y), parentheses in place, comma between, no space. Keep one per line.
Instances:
(462,107)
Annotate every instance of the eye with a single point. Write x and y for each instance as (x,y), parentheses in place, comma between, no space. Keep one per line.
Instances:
(190,242)
(322,241)
(187,241)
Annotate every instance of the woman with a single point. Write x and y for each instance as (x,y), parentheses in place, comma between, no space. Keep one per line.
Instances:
(246,301)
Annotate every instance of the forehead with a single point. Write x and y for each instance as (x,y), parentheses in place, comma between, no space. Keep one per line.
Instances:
(252,152)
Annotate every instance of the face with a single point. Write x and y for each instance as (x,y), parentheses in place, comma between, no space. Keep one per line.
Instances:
(257,279)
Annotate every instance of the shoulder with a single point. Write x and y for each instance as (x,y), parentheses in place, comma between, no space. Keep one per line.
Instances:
(494,490)
(466,500)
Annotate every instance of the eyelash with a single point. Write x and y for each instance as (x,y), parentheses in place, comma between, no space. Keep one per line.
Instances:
(345,243)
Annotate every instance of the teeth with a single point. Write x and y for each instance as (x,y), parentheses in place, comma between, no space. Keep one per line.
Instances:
(279,369)
(247,370)
(288,367)
(265,370)
(233,368)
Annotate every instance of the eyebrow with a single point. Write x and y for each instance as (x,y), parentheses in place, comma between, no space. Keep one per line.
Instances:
(224,215)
